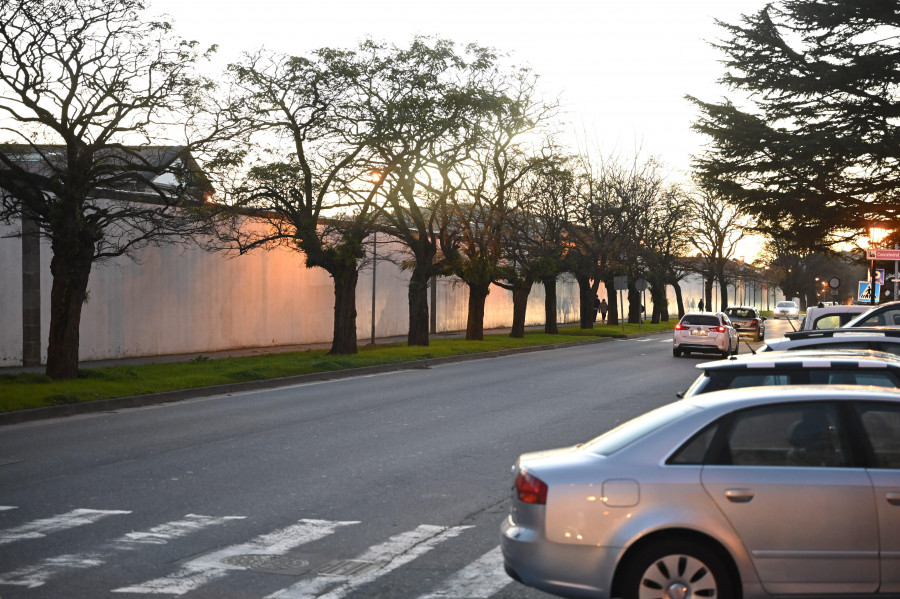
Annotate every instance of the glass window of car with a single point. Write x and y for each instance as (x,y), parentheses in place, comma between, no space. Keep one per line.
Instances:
(882,425)
(830,321)
(875,378)
(694,451)
(740,313)
(787,305)
(886,318)
(804,435)
(737,379)
(700,319)
(891,348)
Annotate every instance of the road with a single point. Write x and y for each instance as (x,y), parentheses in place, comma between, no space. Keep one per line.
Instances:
(387,486)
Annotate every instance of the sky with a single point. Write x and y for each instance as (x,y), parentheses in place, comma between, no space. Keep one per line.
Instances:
(621,69)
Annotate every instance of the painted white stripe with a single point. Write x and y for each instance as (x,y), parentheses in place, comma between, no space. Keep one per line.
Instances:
(479,580)
(38,574)
(390,555)
(203,570)
(41,528)
(3,508)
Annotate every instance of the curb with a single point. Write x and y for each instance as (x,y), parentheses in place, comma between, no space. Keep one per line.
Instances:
(138,401)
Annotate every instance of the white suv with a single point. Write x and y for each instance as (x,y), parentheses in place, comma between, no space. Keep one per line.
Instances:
(710,332)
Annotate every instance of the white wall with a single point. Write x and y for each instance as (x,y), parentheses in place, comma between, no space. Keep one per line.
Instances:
(174,300)
(10,298)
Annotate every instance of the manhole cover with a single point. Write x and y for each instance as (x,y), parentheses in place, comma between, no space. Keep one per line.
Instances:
(270,564)
(349,568)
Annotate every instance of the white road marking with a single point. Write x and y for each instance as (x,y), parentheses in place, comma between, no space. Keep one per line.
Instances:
(390,555)
(40,573)
(41,528)
(479,580)
(203,570)
(3,508)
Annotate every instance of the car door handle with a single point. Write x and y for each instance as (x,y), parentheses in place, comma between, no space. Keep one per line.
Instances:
(739,495)
(893,498)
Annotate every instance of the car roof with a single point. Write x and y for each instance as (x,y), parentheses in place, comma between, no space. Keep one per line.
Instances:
(829,358)
(834,336)
(732,399)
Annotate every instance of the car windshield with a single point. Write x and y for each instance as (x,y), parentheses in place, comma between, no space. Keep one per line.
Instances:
(740,313)
(786,304)
(629,432)
(695,319)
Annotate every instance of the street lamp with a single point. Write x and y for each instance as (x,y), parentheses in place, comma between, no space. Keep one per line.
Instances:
(876,236)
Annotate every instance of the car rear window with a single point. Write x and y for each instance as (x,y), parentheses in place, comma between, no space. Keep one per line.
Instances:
(629,432)
(740,313)
(700,319)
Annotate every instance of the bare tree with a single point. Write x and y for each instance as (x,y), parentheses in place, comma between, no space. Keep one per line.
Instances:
(716,230)
(85,86)
(501,160)
(312,186)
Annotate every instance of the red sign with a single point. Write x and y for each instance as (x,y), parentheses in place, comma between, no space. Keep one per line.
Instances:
(883,254)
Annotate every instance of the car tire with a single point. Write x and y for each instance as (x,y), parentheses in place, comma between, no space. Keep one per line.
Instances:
(691,566)
(676,352)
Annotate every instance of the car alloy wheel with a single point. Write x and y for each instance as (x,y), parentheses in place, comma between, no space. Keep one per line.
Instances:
(676,569)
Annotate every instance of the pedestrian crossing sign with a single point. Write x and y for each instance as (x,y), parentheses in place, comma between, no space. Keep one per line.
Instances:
(865,291)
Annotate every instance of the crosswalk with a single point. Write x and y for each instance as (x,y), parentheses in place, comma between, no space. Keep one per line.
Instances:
(482,578)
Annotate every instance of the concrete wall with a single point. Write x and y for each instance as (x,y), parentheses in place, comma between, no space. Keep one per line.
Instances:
(174,300)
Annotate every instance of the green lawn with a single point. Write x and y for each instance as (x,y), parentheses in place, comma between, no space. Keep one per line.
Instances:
(31,390)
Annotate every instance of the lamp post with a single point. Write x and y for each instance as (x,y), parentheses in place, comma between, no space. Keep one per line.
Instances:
(876,235)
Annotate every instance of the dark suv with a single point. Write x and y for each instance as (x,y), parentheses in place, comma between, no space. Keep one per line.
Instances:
(747,321)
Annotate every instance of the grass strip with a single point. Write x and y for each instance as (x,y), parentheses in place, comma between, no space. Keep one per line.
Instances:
(32,390)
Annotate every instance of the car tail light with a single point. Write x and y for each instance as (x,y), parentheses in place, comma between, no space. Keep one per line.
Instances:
(720,329)
(753,323)
(679,327)
(531,489)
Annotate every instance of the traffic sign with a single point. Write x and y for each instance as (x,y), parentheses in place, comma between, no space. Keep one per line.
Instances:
(873,254)
(865,291)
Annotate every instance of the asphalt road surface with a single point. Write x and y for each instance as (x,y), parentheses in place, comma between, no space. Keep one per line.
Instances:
(381,486)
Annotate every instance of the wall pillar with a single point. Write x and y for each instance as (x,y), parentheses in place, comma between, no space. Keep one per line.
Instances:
(31,293)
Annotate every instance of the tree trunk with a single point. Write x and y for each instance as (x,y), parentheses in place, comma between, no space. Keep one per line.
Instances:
(587,313)
(520,295)
(634,305)
(475,324)
(613,303)
(71,269)
(344,339)
(418,306)
(723,292)
(679,299)
(550,326)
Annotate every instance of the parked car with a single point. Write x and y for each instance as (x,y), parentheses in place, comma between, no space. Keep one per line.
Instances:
(787,309)
(882,339)
(831,317)
(884,315)
(818,367)
(755,492)
(747,321)
(705,332)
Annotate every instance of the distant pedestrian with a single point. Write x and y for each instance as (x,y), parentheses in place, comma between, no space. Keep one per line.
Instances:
(700,305)
(596,306)
(604,308)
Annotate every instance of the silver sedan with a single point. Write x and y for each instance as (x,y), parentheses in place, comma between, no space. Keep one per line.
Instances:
(746,493)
